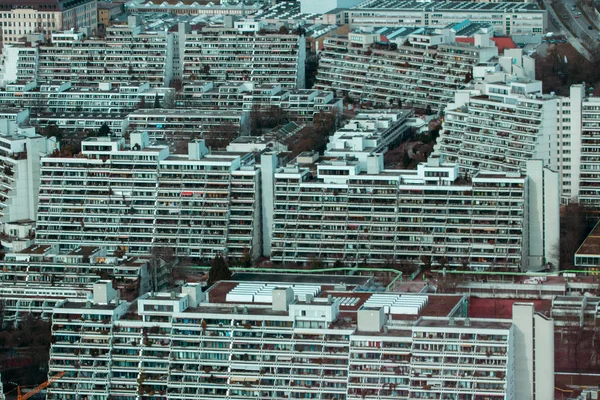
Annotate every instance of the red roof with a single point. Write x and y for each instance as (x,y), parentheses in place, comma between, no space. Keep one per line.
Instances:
(502,43)
(470,40)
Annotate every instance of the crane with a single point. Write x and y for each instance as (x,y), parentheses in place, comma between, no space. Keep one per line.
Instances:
(39,388)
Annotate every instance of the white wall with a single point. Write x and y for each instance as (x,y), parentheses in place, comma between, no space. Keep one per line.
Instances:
(322,6)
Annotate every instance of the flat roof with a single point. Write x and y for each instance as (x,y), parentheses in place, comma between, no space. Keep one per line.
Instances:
(301,278)
(446,6)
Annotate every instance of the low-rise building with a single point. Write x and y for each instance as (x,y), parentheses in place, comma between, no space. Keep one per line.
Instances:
(64,97)
(507,18)
(258,340)
(35,279)
(300,104)
(189,123)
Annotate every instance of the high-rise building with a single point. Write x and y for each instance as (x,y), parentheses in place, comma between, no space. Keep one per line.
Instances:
(415,67)
(247,53)
(274,340)
(23,17)
(20,152)
(142,197)
(334,210)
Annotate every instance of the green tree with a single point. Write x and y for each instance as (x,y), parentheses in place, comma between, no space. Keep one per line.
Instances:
(219,271)
(156,101)
(104,130)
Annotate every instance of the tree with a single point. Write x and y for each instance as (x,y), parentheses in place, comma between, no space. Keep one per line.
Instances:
(219,271)
(156,101)
(104,130)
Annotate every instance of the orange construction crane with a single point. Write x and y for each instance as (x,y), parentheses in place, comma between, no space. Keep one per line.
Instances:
(39,388)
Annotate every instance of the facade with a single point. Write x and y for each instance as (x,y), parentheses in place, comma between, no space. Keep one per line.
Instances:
(20,18)
(249,54)
(64,97)
(185,123)
(321,344)
(192,9)
(507,18)
(20,152)
(18,64)
(500,124)
(321,7)
(414,67)
(34,280)
(138,198)
(107,12)
(80,122)
(126,54)
(300,104)
(334,210)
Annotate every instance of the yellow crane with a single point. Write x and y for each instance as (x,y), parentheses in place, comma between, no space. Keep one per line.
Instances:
(39,388)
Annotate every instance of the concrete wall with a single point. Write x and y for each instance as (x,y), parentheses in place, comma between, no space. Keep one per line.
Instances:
(323,6)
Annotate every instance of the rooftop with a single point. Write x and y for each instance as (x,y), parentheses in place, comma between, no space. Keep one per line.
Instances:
(446,6)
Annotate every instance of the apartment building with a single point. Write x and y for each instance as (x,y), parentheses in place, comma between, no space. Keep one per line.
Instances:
(140,197)
(248,54)
(367,133)
(127,54)
(507,18)
(18,64)
(334,210)
(80,122)
(188,123)
(300,104)
(20,151)
(273,340)
(418,67)
(34,280)
(20,18)
(64,97)
(196,8)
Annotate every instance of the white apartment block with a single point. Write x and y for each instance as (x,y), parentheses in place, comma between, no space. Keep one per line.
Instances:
(18,64)
(20,152)
(368,132)
(64,97)
(507,18)
(80,122)
(276,341)
(321,7)
(502,123)
(229,54)
(141,197)
(23,17)
(127,54)
(499,126)
(300,104)
(35,279)
(184,122)
(415,67)
(335,210)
